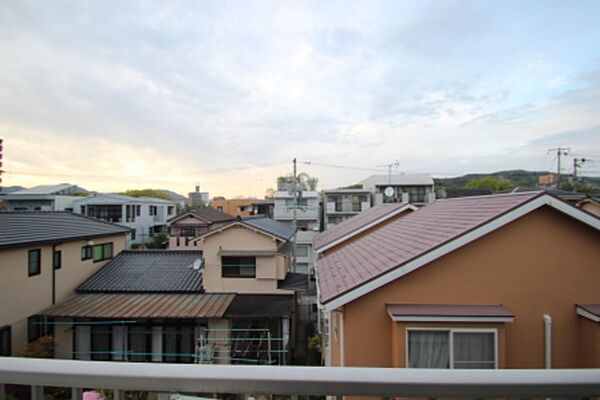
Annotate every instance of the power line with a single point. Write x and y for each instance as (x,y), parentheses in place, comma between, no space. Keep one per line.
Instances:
(319,164)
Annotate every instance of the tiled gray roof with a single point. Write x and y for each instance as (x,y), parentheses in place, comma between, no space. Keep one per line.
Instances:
(206,213)
(23,228)
(147,271)
(268,225)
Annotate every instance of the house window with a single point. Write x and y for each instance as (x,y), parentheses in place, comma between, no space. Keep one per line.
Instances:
(101,342)
(57,259)
(152,210)
(103,252)
(187,231)
(38,327)
(5,341)
(238,267)
(301,251)
(138,210)
(170,210)
(133,234)
(453,348)
(178,344)
(220,208)
(86,253)
(129,213)
(34,265)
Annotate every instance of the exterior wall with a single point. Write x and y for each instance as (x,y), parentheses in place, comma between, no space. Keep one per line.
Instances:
(543,263)
(589,343)
(348,205)
(22,296)
(231,206)
(283,212)
(239,238)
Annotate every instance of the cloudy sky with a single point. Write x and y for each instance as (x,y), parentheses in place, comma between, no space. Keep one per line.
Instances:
(117,95)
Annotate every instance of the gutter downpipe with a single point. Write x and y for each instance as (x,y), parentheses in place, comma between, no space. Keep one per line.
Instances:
(547,341)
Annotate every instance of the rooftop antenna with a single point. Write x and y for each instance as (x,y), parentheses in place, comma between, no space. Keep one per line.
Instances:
(394,165)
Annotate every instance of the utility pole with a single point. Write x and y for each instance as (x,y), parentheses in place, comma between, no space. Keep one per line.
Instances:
(577,163)
(294,212)
(560,151)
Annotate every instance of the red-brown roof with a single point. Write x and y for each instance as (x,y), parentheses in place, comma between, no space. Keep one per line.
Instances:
(408,238)
(448,310)
(361,220)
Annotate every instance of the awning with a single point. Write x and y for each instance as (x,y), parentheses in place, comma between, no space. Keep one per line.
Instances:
(294,281)
(157,305)
(589,311)
(247,253)
(261,306)
(449,313)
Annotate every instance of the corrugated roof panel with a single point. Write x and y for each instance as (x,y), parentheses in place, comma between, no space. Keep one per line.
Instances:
(138,306)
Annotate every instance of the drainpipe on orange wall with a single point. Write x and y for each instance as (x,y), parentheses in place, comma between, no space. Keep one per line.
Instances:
(547,341)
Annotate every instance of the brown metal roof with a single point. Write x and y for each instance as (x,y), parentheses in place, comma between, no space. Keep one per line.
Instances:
(448,310)
(357,222)
(409,238)
(593,309)
(158,305)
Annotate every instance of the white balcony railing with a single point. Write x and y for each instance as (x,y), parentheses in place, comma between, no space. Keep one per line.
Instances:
(384,382)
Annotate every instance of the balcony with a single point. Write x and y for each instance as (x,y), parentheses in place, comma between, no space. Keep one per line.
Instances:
(346,207)
(317,381)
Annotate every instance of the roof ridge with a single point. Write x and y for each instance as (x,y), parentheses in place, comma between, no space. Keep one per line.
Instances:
(495,195)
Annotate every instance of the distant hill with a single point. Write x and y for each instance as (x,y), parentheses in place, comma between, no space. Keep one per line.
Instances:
(10,189)
(518,177)
(174,196)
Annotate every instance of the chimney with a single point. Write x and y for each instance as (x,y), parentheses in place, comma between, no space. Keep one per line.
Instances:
(197,188)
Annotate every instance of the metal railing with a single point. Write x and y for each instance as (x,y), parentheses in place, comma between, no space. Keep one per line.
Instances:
(330,381)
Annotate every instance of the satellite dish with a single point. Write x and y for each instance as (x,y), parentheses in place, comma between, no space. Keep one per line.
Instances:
(197,264)
(389,191)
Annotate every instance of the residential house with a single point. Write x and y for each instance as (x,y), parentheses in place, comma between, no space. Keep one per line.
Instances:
(43,257)
(306,210)
(44,198)
(417,189)
(226,304)
(183,228)
(146,216)
(234,207)
(496,281)
(341,204)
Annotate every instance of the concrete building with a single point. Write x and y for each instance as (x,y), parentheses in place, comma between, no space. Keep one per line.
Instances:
(307,223)
(417,189)
(231,303)
(44,198)
(341,204)
(198,198)
(44,256)
(146,216)
(495,281)
(234,207)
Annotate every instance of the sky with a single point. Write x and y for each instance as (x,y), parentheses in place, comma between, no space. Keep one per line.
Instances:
(114,95)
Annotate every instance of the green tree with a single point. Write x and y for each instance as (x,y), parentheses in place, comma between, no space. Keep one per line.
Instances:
(491,183)
(159,241)
(158,194)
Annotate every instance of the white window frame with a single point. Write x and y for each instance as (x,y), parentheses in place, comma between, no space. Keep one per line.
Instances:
(451,341)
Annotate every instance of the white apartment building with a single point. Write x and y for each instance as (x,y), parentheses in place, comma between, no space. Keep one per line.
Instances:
(44,198)
(147,216)
(341,204)
(307,223)
(416,189)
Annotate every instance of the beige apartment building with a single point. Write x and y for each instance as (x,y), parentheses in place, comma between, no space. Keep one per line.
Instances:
(44,256)
(497,281)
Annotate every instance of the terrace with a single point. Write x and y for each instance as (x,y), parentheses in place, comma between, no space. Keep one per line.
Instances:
(294,381)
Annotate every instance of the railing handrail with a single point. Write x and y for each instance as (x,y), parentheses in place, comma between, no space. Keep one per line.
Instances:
(300,380)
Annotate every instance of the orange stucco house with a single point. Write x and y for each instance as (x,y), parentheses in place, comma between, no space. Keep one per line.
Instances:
(498,281)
